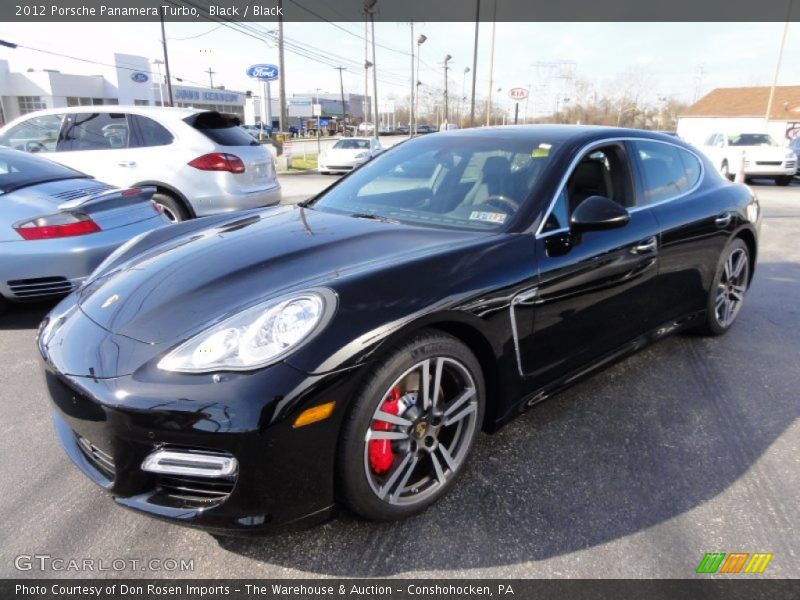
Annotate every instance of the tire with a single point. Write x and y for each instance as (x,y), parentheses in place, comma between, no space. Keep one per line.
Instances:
(173,208)
(3,305)
(785,180)
(717,321)
(435,444)
(725,171)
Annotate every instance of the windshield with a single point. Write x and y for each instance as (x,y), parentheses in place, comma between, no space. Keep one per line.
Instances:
(751,139)
(462,182)
(18,170)
(351,145)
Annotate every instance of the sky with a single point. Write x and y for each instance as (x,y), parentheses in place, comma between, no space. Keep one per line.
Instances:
(664,59)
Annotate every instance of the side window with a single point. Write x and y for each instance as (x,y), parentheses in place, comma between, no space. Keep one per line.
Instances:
(151,133)
(94,131)
(37,134)
(668,171)
(602,172)
(712,139)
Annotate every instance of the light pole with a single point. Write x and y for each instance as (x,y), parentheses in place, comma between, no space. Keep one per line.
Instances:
(420,40)
(491,65)
(281,72)
(463,97)
(413,86)
(341,90)
(474,62)
(446,60)
(369,8)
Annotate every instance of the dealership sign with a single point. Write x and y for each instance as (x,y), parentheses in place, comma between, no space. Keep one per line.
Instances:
(518,93)
(139,77)
(263,72)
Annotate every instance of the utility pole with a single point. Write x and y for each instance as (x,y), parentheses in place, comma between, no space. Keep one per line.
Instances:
(420,40)
(778,64)
(284,125)
(474,62)
(491,68)
(211,77)
(413,86)
(341,90)
(369,6)
(367,65)
(166,57)
(446,68)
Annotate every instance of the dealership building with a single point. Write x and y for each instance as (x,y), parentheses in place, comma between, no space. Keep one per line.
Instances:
(130,80)
(740,110)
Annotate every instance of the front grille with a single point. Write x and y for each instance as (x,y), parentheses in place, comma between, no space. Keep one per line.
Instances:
(100,460)
(195,491)
(340,168)
(40,287)
(90,190)
(768,163)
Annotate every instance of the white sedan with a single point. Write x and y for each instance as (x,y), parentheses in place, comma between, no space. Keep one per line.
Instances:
(347,154)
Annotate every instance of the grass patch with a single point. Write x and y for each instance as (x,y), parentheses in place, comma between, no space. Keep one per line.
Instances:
(309,163)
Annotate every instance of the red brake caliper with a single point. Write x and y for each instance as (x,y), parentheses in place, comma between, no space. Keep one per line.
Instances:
(381,456)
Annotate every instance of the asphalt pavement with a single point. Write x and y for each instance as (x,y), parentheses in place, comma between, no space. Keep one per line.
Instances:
(691,446)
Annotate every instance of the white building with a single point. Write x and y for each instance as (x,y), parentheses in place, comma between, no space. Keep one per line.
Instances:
(131,80)
(742,110)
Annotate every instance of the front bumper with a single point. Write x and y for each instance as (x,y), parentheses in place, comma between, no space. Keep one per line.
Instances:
(339,167)
(752,169)
(285,476)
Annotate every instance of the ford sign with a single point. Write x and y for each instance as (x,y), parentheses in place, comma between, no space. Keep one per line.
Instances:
(263,72)
(139,77)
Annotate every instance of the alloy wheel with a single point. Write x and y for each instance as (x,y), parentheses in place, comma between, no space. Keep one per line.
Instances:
(421,431)
(732,287)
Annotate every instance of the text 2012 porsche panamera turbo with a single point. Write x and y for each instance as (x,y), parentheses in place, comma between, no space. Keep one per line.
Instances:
(251,371)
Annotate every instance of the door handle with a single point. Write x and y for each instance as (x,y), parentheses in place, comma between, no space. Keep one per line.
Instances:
(646,246)
(127,163)
(723,220)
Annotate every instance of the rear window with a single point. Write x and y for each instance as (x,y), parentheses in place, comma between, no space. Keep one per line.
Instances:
(18,170)
(221,129)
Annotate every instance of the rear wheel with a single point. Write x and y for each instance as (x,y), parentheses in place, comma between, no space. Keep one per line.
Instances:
(173,208)
(785,180)
(728,290)
(411,428)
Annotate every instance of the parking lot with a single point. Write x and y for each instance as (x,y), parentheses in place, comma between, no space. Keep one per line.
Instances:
(691,446)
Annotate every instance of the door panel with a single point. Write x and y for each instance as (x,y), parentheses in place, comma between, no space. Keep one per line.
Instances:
(594,295)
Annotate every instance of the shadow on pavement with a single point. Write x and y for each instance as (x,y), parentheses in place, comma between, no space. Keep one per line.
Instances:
(644,441)
(24,316)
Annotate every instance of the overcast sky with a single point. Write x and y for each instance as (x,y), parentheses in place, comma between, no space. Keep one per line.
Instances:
(668,55)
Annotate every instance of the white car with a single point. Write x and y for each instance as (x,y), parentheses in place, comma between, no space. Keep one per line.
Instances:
(763,157)
(347,154)
(200,162)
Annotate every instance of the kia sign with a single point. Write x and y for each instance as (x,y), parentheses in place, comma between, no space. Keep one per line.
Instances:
(518,93)
(139,77)
(263,72)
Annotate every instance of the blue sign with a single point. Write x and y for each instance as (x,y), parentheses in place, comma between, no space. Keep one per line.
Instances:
(263,72)
(139,77)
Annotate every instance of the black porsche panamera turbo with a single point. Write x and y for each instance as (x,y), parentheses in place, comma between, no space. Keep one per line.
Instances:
(249,372)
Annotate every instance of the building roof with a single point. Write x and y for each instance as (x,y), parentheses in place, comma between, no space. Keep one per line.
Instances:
(748,102)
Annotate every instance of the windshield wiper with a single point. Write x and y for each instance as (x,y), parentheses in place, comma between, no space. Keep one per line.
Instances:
(373,217)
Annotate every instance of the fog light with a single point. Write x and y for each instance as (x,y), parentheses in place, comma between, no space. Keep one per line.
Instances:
(188,462)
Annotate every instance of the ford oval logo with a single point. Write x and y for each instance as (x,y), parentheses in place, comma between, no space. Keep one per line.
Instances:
(263,72)
(139,77)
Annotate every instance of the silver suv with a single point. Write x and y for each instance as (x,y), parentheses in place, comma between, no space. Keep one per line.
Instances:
(201,162)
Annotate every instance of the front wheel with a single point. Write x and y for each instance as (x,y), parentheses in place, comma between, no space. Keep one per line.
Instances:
(784,180)
(728,289)
(411,428)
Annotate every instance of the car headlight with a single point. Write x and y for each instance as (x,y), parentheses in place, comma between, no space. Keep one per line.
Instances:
(361,155)
(791,155)
(255,337)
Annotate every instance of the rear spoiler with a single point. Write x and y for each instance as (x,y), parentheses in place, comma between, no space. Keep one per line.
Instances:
(111,199)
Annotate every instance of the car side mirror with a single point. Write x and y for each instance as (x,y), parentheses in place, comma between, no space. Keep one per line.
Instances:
(597,213)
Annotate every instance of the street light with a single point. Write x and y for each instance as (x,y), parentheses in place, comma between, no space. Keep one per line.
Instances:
(158,62)
(421,39)
(446,60)
(463,97)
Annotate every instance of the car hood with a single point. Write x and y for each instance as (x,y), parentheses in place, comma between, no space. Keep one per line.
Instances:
(178,287)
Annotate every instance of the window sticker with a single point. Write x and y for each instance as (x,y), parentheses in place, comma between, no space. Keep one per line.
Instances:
(488,217)
(542,151)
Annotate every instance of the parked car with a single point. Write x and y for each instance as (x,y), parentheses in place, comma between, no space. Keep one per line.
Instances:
(356,356)
(763,157)
(347,154)
(402,130)
(200,162)
(794,146)
(365,128)
(426,129)
(57,225)
(258,133)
